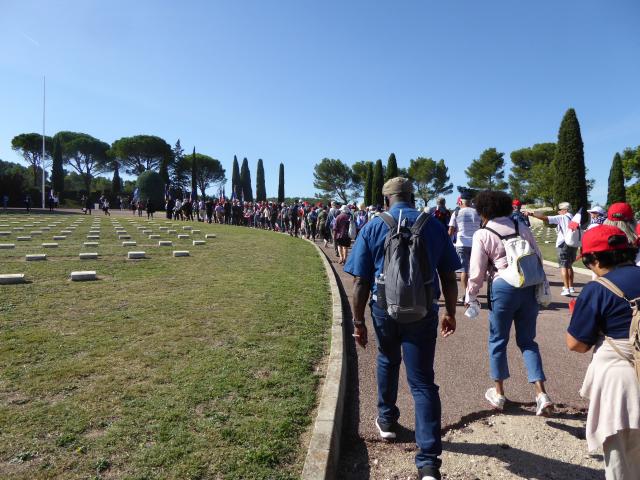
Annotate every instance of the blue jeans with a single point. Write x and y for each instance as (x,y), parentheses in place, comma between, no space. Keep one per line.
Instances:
(518,306)
(418,344)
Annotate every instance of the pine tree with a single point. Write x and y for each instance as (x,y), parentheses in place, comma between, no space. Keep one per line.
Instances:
(116,182)
(194,175)
(570,172)
(487,172)
(235,178)
(57,171)
(617,191)
(245,181)
(261,190)
(392,168)
(281,184)
(378,182)
(368,185)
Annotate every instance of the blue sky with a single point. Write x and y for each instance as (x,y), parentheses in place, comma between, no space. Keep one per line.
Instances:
(294,81)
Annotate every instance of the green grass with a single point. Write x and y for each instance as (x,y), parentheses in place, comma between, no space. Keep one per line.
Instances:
(548,249)
(167,368)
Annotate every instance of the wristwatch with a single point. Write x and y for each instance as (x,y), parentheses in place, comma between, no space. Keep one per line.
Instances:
(358,323)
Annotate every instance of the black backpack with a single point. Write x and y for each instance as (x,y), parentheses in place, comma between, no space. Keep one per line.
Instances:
(406,286)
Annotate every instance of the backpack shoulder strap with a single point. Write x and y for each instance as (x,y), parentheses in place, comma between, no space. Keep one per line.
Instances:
(612,287)
(389,220)
(421,221)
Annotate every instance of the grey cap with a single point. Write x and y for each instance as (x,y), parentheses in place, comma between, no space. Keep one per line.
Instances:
(397,186)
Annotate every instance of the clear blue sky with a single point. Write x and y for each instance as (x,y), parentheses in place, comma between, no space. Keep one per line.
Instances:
(294,81)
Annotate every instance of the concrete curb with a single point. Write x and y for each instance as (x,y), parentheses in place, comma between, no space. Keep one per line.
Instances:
(324,446)
(582,271)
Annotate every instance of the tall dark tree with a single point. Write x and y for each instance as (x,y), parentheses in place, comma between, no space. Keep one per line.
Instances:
(530,171)
(335,179)
(245,181)
(176,173)
(29,145)
(368,185)
(281,184)
(236,187)
(57,170)
(631,164)
(392,168)
(617,191)
(261,189)
(85,154)
(142,152)
(116,182)
(487,172)
(194,174)
(378,182)
(570,183)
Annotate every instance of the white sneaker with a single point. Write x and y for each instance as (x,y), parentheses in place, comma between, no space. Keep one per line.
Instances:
(572,290)
(544,406)
(565,292)
(496,401)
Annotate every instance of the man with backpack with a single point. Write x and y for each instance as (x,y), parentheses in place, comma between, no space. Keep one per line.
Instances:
(566,251)
(397,258)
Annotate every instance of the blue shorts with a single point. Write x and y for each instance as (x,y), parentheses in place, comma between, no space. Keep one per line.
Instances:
(464,254)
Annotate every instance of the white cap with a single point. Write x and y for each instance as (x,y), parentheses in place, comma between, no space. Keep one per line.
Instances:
(597,209)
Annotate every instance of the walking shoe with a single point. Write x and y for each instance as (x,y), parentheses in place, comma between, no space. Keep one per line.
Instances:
(386,430)
(544,406)
(565,292)
(496,401)
(572,290)
(429,472)
(461,300)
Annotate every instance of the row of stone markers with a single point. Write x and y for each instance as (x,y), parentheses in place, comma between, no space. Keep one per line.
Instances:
(93,239)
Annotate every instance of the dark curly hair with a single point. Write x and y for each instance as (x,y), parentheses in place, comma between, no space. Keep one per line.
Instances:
(492,204)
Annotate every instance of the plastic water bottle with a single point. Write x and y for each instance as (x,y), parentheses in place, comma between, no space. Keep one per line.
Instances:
(473,310)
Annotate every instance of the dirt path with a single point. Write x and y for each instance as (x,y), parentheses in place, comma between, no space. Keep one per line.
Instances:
(477,444)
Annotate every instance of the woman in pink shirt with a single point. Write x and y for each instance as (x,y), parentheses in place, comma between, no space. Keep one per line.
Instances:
(508,304)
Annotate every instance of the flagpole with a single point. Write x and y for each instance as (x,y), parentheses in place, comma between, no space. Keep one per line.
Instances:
(44,98)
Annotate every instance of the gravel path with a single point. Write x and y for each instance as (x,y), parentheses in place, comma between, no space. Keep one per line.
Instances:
(477,444)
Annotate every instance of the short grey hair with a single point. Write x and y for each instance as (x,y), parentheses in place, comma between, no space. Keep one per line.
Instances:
(564,206)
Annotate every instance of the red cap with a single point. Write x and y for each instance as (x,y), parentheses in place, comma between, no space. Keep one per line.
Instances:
(620,212)
(603,238)
(516,203)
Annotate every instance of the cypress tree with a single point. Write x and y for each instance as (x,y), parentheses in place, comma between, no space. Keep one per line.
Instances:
(235,178)
(116,182)
(378,182)
(281,184)
(368,185)
(570,172)
(392,168)
(617,191)
(261,189)
(245,181)
(57,172)
(194,175)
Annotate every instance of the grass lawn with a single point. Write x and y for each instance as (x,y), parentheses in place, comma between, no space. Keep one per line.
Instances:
(164,368)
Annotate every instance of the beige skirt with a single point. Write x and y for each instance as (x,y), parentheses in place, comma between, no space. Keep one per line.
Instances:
(613,391)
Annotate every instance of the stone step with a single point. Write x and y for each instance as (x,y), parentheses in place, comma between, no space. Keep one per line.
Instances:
(210,235)
(35,257)
(88,256)
(129,244)
(199,242)
(11,278)
(82,276)
(49,245)
(59,237)
(183,236)
(165,243)
(135,255)
(91,244)
(6,246)
(26,238)
(180,253)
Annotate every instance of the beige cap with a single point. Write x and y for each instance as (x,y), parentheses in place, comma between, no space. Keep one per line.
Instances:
(397,185)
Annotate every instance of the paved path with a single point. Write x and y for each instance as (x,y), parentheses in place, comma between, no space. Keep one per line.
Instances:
(462,371)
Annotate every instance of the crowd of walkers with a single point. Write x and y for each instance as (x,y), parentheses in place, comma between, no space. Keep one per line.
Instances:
(487,240)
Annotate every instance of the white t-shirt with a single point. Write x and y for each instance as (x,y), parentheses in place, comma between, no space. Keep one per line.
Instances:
(562,221)
(466,222)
